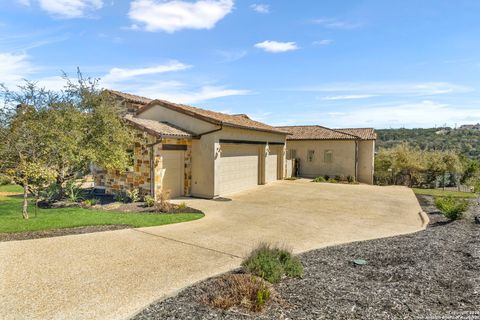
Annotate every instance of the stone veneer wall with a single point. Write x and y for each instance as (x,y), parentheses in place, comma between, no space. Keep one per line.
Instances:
(139,176)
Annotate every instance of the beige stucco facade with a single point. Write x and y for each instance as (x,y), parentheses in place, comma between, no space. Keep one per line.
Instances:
(341,161)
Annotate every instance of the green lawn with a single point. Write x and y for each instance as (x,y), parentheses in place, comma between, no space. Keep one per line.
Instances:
(11,188)
(441,193)
(11,217)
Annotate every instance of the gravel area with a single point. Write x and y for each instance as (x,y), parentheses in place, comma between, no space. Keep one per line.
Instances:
(58,232)
(432,274)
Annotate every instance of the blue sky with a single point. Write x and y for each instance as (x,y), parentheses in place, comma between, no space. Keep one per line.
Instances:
(358,63)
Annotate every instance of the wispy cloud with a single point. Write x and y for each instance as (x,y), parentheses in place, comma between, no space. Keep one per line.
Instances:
(276,46)
(231,55)
(349,97)
(332,23)
(171,16)
(260,8)
(66,8)
(389,89)
(14,67)
(323,42)
(121,74)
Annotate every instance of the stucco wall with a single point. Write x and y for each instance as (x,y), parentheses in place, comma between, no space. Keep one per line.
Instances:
(343,162)
(178,119)
(366,154)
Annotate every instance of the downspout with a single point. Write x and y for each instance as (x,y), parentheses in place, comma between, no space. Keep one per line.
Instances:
(356,160)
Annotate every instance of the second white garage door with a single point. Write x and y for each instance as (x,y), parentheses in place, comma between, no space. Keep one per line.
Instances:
(238,169)
(271,165)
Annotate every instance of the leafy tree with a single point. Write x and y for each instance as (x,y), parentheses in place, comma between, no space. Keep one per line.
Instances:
(56,136)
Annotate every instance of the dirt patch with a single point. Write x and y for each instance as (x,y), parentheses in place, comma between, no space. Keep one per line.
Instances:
(58,232)
(432,273)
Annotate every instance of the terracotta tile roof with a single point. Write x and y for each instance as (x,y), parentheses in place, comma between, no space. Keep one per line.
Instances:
(363,133)
(157,128)
(315,132)
(130,97)
(237,121)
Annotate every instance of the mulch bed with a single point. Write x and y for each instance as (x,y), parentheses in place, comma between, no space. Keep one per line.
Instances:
(432,274)
(58,232)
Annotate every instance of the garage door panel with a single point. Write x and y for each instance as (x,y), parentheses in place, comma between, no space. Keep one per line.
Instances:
(238,169)
(271,166)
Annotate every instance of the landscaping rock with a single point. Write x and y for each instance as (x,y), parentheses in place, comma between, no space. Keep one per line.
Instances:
(428,274)
(477,219)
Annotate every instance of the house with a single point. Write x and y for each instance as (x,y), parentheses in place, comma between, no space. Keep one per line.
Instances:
(322,151)
(189,151)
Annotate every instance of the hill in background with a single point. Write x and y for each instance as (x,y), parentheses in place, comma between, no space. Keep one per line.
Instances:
(465,140)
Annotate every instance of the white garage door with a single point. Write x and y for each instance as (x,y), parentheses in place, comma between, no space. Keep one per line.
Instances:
(238,169)
(173,163)
(271,165)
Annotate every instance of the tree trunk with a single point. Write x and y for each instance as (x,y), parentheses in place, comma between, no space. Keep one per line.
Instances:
(25,202)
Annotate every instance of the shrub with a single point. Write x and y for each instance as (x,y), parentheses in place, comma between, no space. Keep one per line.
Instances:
(121,196)
(319,179)
(163,205)
(452,208)
(4,180)
(91,202)
(73,191)
(271,263)
(350,179)
(182,206)
(237,290)
(133,195)
(339,178)
(331,180)
(149,201)
(52,193)
(326,177)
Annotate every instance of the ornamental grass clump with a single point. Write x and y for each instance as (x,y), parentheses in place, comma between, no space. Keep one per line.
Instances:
(452,208)
(272,263)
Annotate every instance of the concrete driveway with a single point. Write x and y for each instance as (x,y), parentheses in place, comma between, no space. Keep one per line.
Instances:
(112,275)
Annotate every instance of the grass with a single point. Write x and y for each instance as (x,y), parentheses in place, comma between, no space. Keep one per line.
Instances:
(11,188)
(47,219)
(444,193)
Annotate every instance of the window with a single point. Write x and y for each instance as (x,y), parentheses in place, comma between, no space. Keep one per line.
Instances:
(293,154)
(310,155)
(328,156)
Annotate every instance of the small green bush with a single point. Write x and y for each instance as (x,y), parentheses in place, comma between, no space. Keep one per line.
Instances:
(331,180)
(350,179)
(452,208)
(263,295)
(149,201)
(73,191)
(319,179)
(182,206)
(91,202)
(133,195)
(4,180)
(339,178)
(271,263)
(326,177)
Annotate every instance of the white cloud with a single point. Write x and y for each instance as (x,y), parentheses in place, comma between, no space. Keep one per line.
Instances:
(120,74)
(349,97)
(332,23)
(25,3)
(14,67)
(390,88)
(276,47)
(324,42)
(171,16)
(260,8)
(70,8)
(231,55)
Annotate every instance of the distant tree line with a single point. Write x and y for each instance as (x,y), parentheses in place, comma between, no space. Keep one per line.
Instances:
(462,141)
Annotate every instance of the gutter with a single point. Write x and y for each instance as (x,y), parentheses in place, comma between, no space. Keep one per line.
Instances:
(198,136)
